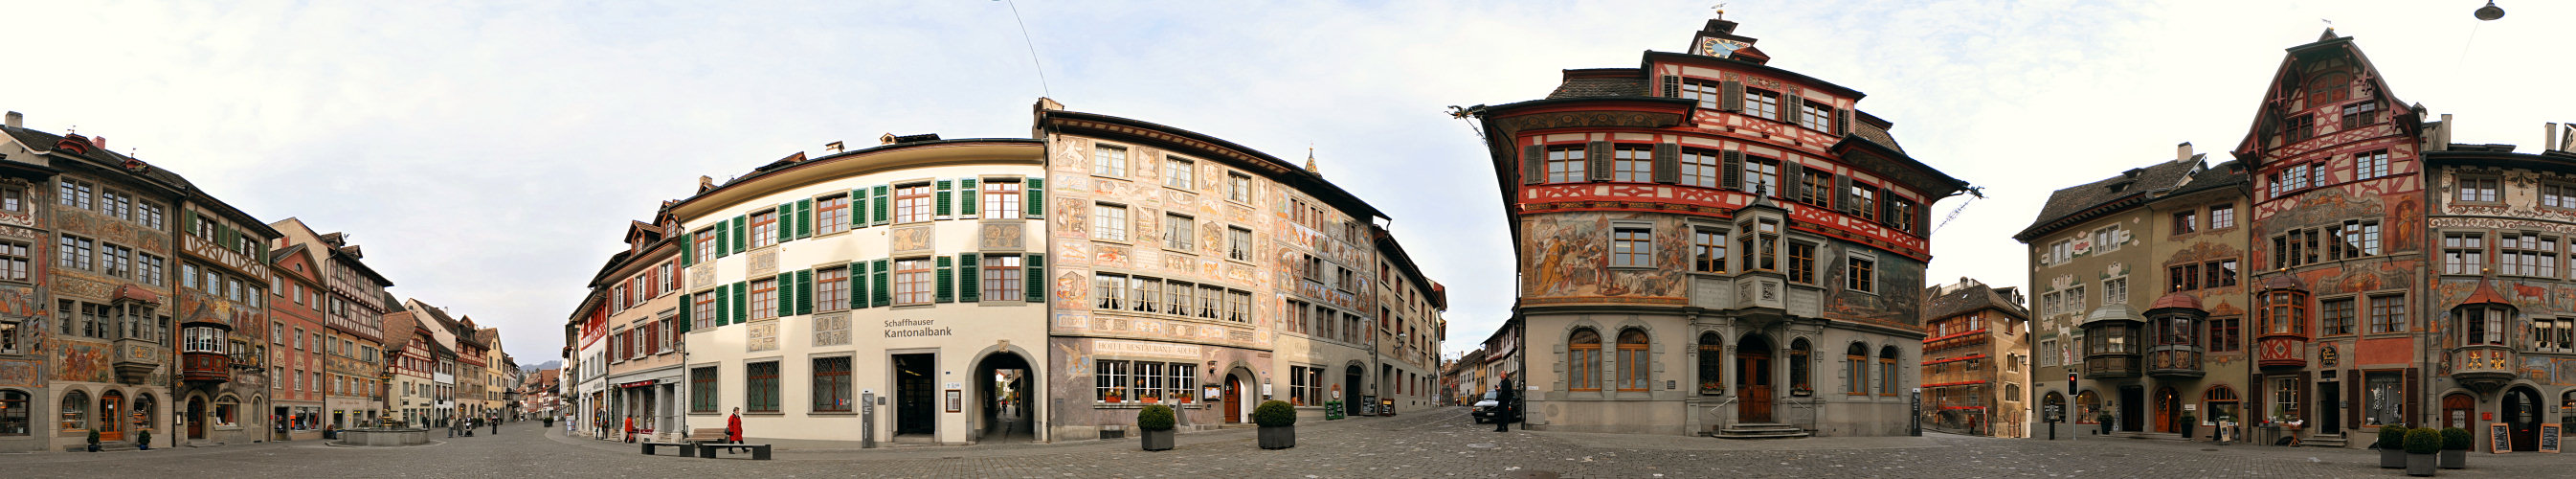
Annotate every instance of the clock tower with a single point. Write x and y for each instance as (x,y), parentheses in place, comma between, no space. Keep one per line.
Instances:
(1718,39)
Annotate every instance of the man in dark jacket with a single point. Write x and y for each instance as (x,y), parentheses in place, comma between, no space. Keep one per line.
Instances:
(1504,405)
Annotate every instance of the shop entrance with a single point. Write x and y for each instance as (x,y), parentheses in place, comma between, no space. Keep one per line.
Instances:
(1753,379)
(1002,394)
(2522,417)
(1351,378)
(2456,410)
(110,415)
(1233,402)
(2329,408)
(143,419)
(915,407)
(2168,410)
(197,418)
(2133,408)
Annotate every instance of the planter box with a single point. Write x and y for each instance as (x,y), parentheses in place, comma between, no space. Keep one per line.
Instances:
(1158,440)
(2455,459)
(2392,458)
(2419,465)
(1280,437)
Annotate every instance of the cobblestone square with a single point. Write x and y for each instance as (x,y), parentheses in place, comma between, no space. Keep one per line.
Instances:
(1436,443)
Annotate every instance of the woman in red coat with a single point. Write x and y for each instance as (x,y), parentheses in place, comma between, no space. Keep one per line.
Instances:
(733,426)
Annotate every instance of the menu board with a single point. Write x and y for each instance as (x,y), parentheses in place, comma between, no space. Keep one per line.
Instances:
(2549,438)
(2499,438)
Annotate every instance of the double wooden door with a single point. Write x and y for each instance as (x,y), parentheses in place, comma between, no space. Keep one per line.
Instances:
(1753,379)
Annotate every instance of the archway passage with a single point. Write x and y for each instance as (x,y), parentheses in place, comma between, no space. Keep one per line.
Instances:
(144,413)
(196,418)
(1351,378)
(1753,379)
(2521,416)
(1002,390)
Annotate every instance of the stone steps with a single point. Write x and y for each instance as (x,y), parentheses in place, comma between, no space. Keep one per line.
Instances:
(1760,431)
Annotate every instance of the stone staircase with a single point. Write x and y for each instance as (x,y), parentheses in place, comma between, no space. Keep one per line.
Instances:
(1759,430)
(2323,440)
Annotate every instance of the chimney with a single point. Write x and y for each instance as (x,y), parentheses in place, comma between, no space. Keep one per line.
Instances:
(2548,137)
(2182,152)
(2442,140)
(99,141)
(17,120)
(706,183)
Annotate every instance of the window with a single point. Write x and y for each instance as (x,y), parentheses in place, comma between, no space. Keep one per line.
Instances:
(2220,273)
(1762,176)
(1634,164)
(1179,173)
(2285,312)
(2478,188)
(151,269)
(1887,370)
(1238,187)
(704,315)
(1816,187)
(1179,383)
(2076,301)
(2222,217)
(2300,128)
(14,263)
(911,204)
(1816,116)
(2383,398)
(2115,290)
(2186,221)
(764,299)
(2463,253)
(1632,247)
(1109,222)
(833,289)
(2182,277)
(1802,262)
(1633,363)
(76,193)
(2355,239)
(1900,214)
(2359,114)
(1238,243)
(2387,313)
(1109,161)
(2107,239)
(1864,200)
(1712,365)
(1702,91)
(1301,387)
(1583,360)
(1799,377)
(1180,232)
(2285,398)
(2548,335)
(2527,254)
(764,228)
(1001,278)
(1110,291)
(2335,316)
(8,339)
(1001,199)
(2485,325)
(75,411)
(13,414)
(1863,276)
(832,213)
(114,205)
(13,199)
(1700,168)
(1856,370)
(1110,384)
(2370,165)
(1760,247)
(76,252)
(762,390)
(1708,250)
(702,389)
(832,384)
(1565,164)
(1761,104)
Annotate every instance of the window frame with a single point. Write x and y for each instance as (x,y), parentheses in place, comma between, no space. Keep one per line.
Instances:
(1583,360)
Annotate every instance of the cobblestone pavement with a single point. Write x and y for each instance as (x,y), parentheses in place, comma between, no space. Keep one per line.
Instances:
(1436,443)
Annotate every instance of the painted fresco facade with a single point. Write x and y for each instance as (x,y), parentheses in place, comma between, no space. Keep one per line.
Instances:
(1975,360)
(2196,357)
(29,331)
(2502,337)
(1700,236)
(220,302)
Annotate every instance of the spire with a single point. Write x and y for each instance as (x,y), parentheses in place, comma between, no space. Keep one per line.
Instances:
(1310,160)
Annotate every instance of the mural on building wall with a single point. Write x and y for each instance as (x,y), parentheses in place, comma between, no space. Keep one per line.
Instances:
(111,230)
(1893,305)
(20,373)
(83,361)
(1569,258)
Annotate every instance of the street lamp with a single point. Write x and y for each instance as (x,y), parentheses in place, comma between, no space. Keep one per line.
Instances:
(2489,12)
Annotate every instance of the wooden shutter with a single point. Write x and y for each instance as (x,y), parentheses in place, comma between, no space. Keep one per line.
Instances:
(1035,276)
(940,204)
(785,298)
(786,222)
(1790,110)
(1842,122)
(969,281)
(1793,180)
(724,305)
(883,274)
(1731,174)
(741,232)
(1887,208)
(1035,193)
(741,301)
(2252,399)
(1668,163)
(1842,193)
(805,292)
(687,307)
(882,216)
(188,220)
(966,197)
(805,218)
(2352,391)
(1533,164)
(858,290)
(2414,400)
(688,249)
(1672,86)
(858,208)
(942,290)
(1731,96)
(1598,153)
(724,239)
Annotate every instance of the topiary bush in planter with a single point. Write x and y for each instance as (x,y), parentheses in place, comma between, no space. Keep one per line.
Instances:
(143,439)
(2421,443)
(2392,446)
(93,440)
(1156,421)
(1278,422)
(2455,448)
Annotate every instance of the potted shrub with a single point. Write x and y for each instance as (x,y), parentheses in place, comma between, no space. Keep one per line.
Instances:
(2188,421)
(2103,419)
(93,440)
(2455,448)
(1278,423)
(2392,446)
(143,439)
(1156,421)
(2421,443)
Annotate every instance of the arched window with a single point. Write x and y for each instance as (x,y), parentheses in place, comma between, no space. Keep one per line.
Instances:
(1712,364)
(1887,371)
(2086,406)
(1583,360)
(2329,88)
(227,410)
(75,411)
(13,414)
(2053,399)
(1856,370)
(1799,366)
(1633,365)
(2221,403)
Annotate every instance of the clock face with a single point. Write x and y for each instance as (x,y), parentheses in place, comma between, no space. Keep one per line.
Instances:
(1718,47)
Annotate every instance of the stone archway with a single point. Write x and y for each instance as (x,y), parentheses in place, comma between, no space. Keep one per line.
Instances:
(1004,383)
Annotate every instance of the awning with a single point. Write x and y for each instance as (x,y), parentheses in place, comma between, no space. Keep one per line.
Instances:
(637,384)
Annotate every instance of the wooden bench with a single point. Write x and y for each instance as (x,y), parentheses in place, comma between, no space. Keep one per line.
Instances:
(759,452)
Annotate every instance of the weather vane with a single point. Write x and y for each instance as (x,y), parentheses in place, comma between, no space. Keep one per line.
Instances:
(1721,10)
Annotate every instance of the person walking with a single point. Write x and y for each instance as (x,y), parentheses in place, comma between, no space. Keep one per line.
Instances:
(451,428)
(1503,403)
(630,428)
(496,425)
(733,427)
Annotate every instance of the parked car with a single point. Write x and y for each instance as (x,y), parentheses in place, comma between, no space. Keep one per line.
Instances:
(1490,409)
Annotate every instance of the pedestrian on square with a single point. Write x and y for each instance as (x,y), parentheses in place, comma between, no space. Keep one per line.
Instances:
(733,427)
(1503,405)
(630,428)
(496,425)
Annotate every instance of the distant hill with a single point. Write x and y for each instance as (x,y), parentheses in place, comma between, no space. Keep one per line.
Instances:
(554,364)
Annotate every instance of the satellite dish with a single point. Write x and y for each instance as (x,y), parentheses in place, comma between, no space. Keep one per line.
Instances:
(2490,12)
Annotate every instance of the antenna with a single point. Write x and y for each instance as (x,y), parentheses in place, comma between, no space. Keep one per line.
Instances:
(1033,47)
(1974,193)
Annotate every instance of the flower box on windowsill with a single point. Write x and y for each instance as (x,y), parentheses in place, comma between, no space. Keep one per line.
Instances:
(1802,392)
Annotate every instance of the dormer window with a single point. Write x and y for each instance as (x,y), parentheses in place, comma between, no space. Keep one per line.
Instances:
(2360,114)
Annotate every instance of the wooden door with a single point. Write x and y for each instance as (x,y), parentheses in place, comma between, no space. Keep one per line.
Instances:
(2458,410)
(2167,411)
(110,416)
(196,419)
(1233,402)
(1755,383)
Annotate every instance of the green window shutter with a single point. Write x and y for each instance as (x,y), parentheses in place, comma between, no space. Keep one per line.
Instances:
(970,287)
(785,298)
(942,291)
(724,239)
(685,305)
(805,218)
(966,196)
(805,292)
(883,214)
(1036,277)
(741,232)
(688,250)
(858,208)
(724,306)
(1035,193)
(941,202)
(883,275)
(741,301)
(858,290)
(188,220)
(785,222)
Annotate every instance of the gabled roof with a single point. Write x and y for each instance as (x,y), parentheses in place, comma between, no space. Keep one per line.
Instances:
(75,147)
(400,327)
(2073,205)
(2251,147)
(1971,298)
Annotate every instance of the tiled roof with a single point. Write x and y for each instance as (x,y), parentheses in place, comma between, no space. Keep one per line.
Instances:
(2068,202)
(1632,84)
(1968,299)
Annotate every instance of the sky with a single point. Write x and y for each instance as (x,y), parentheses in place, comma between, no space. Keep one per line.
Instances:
(488,155)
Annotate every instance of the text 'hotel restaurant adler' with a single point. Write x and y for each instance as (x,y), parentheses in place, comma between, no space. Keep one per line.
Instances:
(1007,289)
(1712,245)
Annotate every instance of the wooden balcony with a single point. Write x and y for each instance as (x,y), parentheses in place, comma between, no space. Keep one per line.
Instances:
(2482,367)
(2111,366)
(2281,350)
(2174,361)
(205,367)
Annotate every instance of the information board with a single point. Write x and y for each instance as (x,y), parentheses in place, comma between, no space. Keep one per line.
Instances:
(2499,438)
(2549,438)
